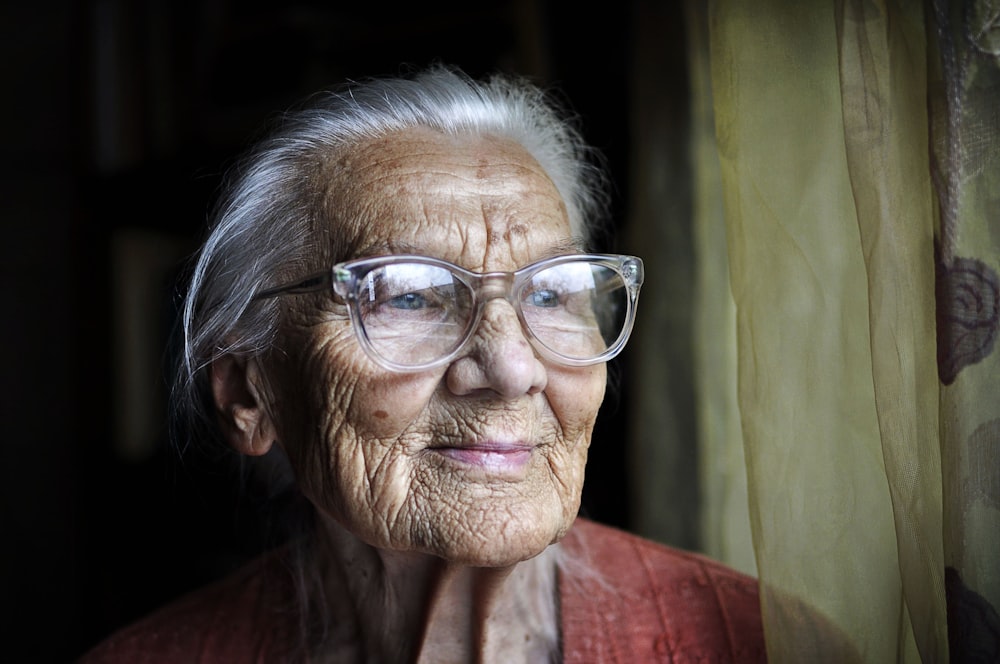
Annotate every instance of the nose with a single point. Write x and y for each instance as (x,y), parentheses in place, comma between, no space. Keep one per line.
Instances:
(499,358)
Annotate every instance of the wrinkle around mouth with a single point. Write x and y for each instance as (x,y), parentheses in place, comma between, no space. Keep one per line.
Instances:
(490,425)
(487,446)
(502,430)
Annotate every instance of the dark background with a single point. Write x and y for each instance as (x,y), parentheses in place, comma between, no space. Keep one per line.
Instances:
(120,118)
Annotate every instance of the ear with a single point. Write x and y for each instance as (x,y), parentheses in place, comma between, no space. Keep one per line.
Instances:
(245,423)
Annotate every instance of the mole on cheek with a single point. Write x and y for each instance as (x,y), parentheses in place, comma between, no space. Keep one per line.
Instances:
(381,414)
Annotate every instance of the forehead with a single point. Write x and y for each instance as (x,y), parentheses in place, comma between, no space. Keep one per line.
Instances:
(470,199)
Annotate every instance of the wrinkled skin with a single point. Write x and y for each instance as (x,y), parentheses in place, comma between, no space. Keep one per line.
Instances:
(386,456)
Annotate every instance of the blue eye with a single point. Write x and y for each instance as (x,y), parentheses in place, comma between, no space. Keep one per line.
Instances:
(408,301)
(543,298)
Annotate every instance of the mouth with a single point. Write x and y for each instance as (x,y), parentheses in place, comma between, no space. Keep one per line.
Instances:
(493,458)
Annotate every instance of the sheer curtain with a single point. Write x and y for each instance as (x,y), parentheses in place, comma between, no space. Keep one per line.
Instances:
(850,190)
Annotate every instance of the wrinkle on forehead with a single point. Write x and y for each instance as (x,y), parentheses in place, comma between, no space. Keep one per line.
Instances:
(513,232)
(503,231)
(478,200)
(572,245)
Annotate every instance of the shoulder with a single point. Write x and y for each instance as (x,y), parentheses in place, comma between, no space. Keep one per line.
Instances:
(244,617)
(625,598)
(607,549)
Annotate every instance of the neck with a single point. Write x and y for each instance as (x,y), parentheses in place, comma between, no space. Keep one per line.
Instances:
(411,607)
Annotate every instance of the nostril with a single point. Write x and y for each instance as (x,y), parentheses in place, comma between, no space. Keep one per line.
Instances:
(512,374)
(499,358)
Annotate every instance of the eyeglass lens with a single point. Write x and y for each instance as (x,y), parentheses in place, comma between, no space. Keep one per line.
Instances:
(416,313)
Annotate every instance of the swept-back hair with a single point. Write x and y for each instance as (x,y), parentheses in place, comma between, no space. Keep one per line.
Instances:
(273,200)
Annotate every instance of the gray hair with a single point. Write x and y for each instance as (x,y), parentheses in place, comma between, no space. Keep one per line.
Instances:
(264,225)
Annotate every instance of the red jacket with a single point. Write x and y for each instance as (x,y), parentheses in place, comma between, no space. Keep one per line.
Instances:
(629,601)
(658,604)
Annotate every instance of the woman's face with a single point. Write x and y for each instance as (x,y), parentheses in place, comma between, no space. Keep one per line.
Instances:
(480,461)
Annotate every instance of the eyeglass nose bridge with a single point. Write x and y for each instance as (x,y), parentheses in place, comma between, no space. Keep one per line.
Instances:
(486,288)
(494,285)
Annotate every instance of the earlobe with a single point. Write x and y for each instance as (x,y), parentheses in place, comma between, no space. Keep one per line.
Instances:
(236,390)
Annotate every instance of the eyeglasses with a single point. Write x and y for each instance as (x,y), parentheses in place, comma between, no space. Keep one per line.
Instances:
(413,313)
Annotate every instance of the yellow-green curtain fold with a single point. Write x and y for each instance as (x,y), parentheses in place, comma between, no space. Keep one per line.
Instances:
(883,66)
(823,136)
(845,313)
(725,523)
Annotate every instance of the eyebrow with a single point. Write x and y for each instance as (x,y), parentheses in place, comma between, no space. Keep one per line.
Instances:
(571,245)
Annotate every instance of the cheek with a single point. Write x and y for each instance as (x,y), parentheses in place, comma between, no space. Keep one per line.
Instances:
(330,385)
(575,396)
(340,418)
(382,406)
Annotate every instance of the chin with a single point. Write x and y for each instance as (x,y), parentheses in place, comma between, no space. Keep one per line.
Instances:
(499,539)
(493,555)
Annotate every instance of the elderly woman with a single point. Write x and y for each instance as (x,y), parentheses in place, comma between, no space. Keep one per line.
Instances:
(396,295)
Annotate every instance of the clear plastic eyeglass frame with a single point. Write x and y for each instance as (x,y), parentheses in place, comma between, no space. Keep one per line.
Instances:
(347,282)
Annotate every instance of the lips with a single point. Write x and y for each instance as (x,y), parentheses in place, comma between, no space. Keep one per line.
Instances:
(494,458)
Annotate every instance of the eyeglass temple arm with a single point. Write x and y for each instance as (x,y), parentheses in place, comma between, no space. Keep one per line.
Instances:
(310,284)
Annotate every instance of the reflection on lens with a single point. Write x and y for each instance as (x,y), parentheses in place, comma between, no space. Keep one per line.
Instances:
(413,313)
(586,305)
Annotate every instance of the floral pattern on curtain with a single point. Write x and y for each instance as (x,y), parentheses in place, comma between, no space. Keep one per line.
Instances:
(965,103)
(858,166)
